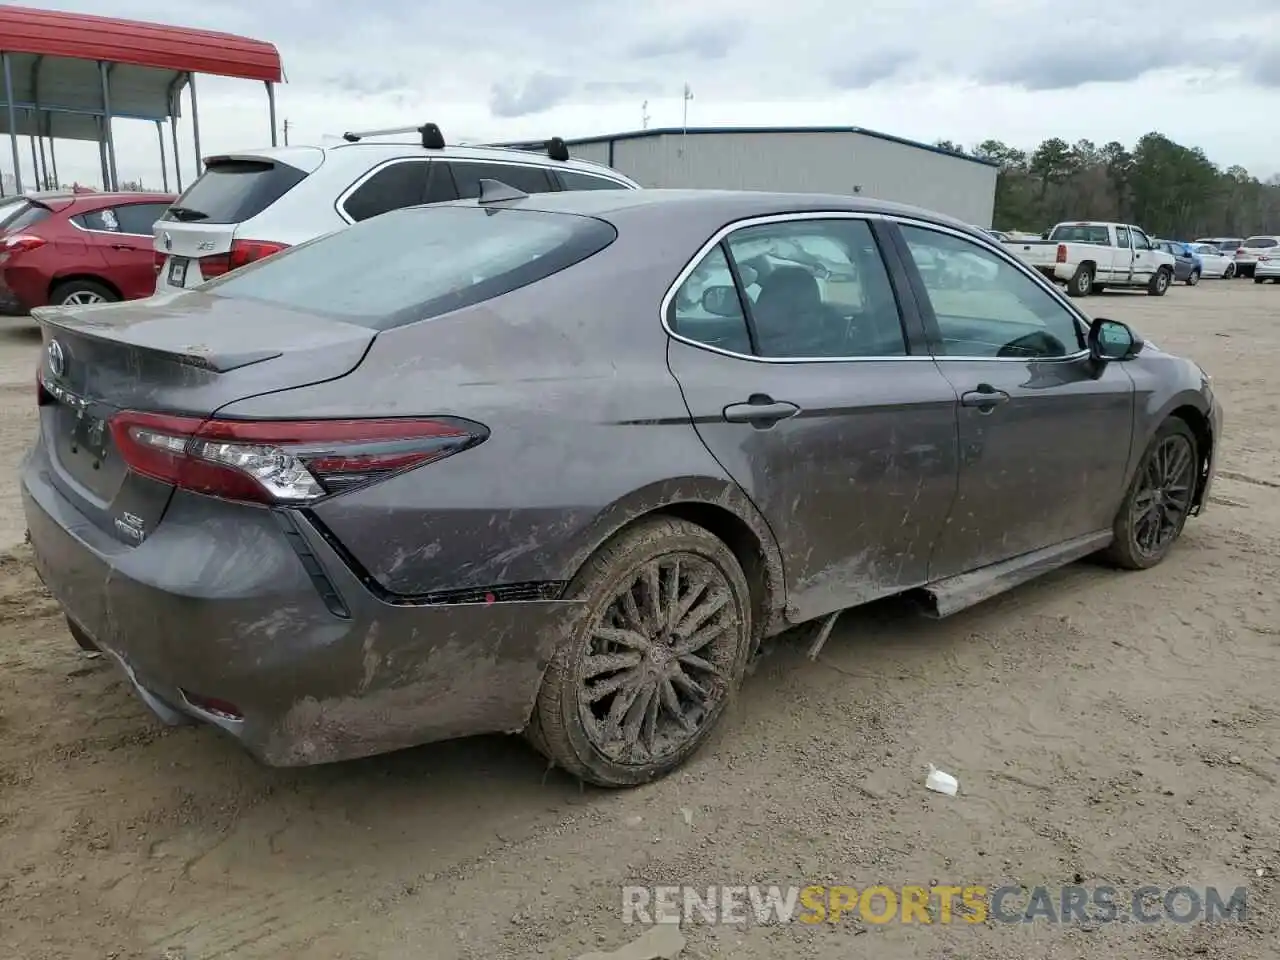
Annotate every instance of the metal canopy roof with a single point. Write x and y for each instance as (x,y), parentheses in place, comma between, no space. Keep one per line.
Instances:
(57,84)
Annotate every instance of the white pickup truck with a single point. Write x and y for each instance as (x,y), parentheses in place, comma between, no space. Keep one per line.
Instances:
(1090,256)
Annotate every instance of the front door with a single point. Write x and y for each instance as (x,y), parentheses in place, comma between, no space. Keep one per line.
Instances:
(1124,256)
(814,395)
(1144,256)
(1044,433)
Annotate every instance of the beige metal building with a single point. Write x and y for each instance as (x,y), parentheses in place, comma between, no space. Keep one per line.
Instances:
(843,160)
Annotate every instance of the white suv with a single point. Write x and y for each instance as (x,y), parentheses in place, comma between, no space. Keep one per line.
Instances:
(1249,250)
(247,206)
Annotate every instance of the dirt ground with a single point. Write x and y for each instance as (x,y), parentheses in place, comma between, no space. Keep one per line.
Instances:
(1106,728)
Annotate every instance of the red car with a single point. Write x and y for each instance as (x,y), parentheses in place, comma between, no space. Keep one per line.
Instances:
(69,248)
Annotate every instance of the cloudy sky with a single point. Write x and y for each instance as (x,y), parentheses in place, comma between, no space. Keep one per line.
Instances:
(1014,70)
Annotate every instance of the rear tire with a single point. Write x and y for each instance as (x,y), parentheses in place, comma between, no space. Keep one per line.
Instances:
(1081,283)
(1158,285)
(640,680)
(1155,509)
(1259,279)
(79,293)
(1193,278)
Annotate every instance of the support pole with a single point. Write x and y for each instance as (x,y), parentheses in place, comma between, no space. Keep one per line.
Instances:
(177,160)
(102,154)
(35,159)
(13,121)
(271,107)
(44,160)
(195,122)
(164,168)
(104,69)
(53,158)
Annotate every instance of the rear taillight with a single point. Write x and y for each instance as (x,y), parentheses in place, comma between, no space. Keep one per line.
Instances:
(1062,253)
(242,252)
(1239,251)
(274,461)
(19,243)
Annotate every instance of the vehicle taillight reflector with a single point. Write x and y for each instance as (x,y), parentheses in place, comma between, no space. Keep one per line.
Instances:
(1062,253)
(19,243)
(275,461)
(242,253)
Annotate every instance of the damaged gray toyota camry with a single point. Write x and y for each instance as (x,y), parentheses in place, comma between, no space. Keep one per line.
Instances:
(556,464)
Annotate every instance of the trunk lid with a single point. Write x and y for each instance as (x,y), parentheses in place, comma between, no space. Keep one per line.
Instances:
(188,354)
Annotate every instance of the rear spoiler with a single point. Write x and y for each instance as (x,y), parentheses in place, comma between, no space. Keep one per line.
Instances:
(100,323)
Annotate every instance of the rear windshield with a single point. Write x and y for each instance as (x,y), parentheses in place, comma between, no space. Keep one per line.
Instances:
(27,214)
(416,263)
(1259,243)
(1081,233)
(1228,245)
(231,191)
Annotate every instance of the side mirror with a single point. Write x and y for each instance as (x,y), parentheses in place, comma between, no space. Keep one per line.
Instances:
(721,301)
(1044,235)
(1112,340)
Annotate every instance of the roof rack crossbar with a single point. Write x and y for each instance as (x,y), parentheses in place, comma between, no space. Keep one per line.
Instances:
(554,148)
(432,138)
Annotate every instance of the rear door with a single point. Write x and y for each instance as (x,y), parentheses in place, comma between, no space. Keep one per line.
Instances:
(1044,434)
(816,393)
(122,236)
(203,221)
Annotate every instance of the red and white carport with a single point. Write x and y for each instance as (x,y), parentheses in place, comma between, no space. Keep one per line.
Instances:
(67,75)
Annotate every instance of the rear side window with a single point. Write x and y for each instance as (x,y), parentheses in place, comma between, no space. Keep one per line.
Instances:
(1259,243)
(418,263)
(1081,233)
(230,191)
(572,180)
(139,218)
(528,179)
(28,217)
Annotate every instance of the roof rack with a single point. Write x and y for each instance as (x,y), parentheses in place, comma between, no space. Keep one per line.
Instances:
(432,138)
(554,148)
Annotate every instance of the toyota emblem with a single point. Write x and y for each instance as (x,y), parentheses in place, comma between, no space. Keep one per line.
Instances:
(57,359)
(168,240)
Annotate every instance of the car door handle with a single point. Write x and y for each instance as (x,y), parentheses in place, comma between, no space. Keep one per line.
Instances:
(761,410)
(984,398)
(123,246)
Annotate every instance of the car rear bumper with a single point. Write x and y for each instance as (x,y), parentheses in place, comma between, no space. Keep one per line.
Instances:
(233,618)
(1267,268)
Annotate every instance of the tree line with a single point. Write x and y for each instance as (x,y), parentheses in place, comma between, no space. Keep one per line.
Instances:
(1164,187)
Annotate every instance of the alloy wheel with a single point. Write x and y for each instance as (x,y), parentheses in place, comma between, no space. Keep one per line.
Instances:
(1162,501)
(83,297)
(660,659)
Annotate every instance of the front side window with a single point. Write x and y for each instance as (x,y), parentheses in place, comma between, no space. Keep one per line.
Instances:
(984,305)
(1140,241)
(417,263)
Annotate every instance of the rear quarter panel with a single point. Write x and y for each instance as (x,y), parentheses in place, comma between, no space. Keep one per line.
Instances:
(588,429)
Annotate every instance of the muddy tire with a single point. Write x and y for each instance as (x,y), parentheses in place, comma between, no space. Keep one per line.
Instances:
(1081,283)
(1193,278)
(1156,508)
(1158,285)
(81,293)
(640,680)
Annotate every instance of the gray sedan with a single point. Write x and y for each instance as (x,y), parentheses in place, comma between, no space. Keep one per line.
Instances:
(557,464)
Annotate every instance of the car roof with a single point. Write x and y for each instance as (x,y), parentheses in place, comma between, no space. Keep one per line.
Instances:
(728,204)
(384,148)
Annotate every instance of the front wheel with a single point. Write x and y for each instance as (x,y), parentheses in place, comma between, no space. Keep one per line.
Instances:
(661,645)
(1231,271)
(1193,278)
(1159,284)
(1159,500)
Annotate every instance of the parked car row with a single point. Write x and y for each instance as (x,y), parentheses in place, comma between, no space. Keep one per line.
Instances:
(68,248)
(1246,253)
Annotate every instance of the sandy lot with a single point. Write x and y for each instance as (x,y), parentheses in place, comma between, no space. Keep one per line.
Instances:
(1106,729)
